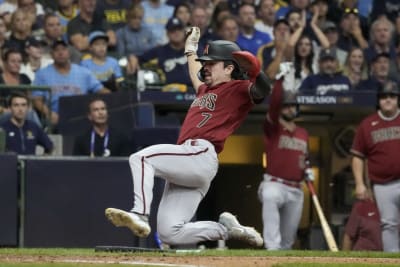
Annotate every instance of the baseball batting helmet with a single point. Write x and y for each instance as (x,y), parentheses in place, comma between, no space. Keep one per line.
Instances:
(219,50)
(389,87)
(290,98)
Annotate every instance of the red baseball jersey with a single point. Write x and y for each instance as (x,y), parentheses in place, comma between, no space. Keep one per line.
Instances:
(378,140)
(217,112)
(364,226)
(286,151)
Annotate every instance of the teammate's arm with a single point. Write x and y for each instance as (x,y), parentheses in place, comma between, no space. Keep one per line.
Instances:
(251,66)
(191,45)
(357,165)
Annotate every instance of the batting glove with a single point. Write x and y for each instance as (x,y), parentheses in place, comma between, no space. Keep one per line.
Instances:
(248,63)
(192,40)
(284,68)
(309,175)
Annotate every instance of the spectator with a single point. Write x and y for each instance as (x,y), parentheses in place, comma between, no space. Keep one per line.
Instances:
(35,60)
(169,58)
(105,68)
(387,8)
(328,80)
(350,31)
(286,147)
(22,135)
(321,7)
(228,28)
(6,9)
(379,73)
(12,59)
(183,12)
(355,67)
(295,20)
(65,79)
(331,32)
(52,33)
(221,10)
(271,55)
(87,21)
(266,14)
(200,18)
(100,140)
(35,14)
(302,50)
(156,15)
(114,11)
(363,229)
(249,38)
(381,41)
(376,141)
(20,31)
(300,5)
(135,38)
(66,11)
(3,32)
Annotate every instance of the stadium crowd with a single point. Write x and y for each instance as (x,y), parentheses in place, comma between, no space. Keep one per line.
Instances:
(80,47)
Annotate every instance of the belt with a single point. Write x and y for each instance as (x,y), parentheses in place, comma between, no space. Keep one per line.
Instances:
(198,142)
(270,178)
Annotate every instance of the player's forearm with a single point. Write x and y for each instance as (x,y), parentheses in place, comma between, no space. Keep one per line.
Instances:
(346,244)
(357,165)
(194,68)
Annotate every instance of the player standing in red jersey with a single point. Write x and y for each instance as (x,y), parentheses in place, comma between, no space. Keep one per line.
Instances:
(227,82)
(377,145)
(286,147)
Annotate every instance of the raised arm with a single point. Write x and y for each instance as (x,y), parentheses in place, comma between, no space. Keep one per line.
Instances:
(251,66)
(323,40)
(294,37)
(191,45)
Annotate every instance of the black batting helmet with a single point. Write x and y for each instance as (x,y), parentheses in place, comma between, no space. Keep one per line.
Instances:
(219,50)
(389,87)
(289,98)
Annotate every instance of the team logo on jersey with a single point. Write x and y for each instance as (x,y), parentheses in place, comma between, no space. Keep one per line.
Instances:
(385,134)
(29,135)
(292,143)
(206,101)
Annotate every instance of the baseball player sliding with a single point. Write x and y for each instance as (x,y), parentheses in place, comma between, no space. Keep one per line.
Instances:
(228,82)
(286,147)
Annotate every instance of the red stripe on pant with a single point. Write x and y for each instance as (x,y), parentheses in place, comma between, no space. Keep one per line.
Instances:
(162,154)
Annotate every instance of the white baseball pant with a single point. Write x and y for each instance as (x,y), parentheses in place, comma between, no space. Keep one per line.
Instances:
(388,200)
(188,169)
(282,207)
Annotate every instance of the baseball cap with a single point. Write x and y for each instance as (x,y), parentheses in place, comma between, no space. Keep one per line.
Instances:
(348,11)
(379,55)
(174,24)
(279,20)
(59,41)
(328,25)
(93,36)
(327,53)
(32,41)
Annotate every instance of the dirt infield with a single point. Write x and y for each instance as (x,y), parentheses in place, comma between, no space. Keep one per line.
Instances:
(208,261)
